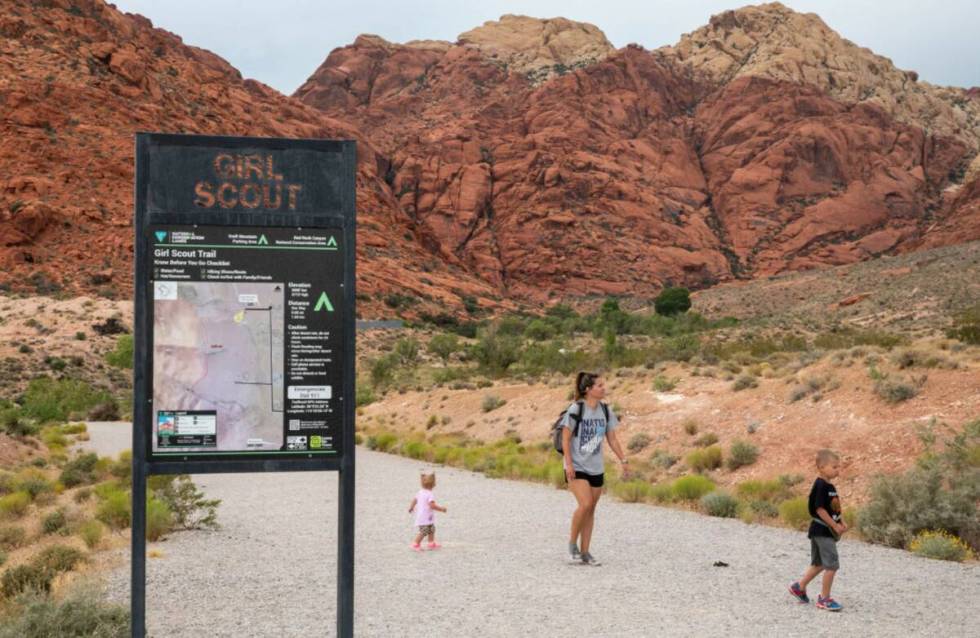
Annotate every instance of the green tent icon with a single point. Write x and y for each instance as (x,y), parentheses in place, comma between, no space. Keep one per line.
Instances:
(332,242)
(263,240)
(323,303)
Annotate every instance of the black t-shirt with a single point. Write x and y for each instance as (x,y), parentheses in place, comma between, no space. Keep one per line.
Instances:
(823,494)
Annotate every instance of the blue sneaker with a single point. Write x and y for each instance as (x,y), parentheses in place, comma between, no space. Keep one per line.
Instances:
(799,593)
(828,603)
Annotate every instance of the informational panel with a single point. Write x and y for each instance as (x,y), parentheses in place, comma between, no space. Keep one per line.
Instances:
(246,340)
(244,298)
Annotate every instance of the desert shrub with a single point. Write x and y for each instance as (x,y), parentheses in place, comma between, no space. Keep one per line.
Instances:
(638,442)
(690,426)
(495,351)
(25,578)
(443,345)
(795,512)
(672,301)
(91,533)
(745,382)
(407,351)
(721,504)
(706,459)
(79,470)
(12,536)
(74,428)
(662,492)
(940,545)
(635,491)
(115,510)
(764,508)
(895,391)
(54,522)
(122,468)
(58,558)
(798,392)
(691,487)
(664,384)
(539,330)
(54,439)
(159,519)
(15,423)
(491,402)
(121,355)
(381,442)
(81,615)
(14,505)
(414,449)
(383,370)
(771,490)
(662,458)
(48,399)
(34,482)
(966,326)
(187,504)
(706,439)
(364,395)
(740,454)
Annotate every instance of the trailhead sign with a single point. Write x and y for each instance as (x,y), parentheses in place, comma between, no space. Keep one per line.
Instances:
(244,320)
(246,340)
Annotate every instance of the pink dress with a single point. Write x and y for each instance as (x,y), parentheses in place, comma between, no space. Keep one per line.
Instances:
(423,508)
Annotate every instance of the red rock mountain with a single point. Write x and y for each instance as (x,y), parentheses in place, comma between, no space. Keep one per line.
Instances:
(528,160)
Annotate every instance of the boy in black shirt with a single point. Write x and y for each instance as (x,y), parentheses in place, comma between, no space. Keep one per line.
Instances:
(825,530)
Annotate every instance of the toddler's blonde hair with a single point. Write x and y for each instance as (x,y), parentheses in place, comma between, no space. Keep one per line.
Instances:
(428,480)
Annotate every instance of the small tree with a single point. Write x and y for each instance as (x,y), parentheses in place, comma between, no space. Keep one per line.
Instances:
(672,301)
(407,351)
(443,346)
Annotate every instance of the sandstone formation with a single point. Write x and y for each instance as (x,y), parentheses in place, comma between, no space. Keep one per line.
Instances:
(524,163)
(78,79)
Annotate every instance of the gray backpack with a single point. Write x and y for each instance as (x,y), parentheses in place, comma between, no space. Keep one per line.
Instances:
(576,416)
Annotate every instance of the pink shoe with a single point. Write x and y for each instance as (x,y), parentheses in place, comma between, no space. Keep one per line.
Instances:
(416,547)
(434,545)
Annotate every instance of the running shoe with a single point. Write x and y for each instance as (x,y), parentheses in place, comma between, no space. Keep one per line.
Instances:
(799,593)
(575,555)
(828,603)
(589,559)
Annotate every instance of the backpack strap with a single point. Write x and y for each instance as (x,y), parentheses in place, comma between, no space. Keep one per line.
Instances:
(576,416)
(605,410)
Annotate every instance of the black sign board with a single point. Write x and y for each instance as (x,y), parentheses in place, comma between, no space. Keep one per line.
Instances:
(244,318)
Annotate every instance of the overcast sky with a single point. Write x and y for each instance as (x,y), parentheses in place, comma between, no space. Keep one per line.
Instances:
(282,42)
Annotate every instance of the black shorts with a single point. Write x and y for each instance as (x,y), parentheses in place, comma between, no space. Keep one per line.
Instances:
(595,480)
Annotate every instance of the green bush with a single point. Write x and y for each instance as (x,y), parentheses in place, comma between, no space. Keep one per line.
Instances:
(34,482)
(940,545)
(672,301)
(740,454)
(186,503)
(745,382)
(795,512)
(720,504)
(894,391)
(91,533)
(122,468)
(662,492)
(383,370)
(635,491)
(115,510)
(966,326)
(706,459)
(638,442)
(159,520)
(12,537)
(539,330)
(691,427)
(382,442)
(25,578)
(48,399)
(706,439)
(79,470)
(81,615)
(495,351)
(772,490)
(662,458)
(364,395)
(764,508)
(54,522)
(58,558)
(407,351)
(14,505)
(664,384)
(122,355)
(443,345)
(691,487)
(491,402)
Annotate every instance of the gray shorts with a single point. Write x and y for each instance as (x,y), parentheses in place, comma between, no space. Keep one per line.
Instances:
(823,552)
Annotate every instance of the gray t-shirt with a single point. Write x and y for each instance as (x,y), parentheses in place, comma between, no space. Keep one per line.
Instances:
(587,445)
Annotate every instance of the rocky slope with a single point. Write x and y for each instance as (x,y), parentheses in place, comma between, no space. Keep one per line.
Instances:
(78,79)
(630,169)
(526,161)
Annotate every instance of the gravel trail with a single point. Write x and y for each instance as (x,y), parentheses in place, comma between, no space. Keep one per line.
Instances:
(270,570)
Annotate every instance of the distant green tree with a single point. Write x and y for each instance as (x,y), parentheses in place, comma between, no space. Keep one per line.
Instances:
(672,301)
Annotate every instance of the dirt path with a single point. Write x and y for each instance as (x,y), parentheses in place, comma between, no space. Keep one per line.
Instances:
(270,571)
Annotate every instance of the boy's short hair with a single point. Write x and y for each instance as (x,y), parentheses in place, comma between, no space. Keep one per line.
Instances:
(826,456)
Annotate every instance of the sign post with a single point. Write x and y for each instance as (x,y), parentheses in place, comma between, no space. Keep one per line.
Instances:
(244,320)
